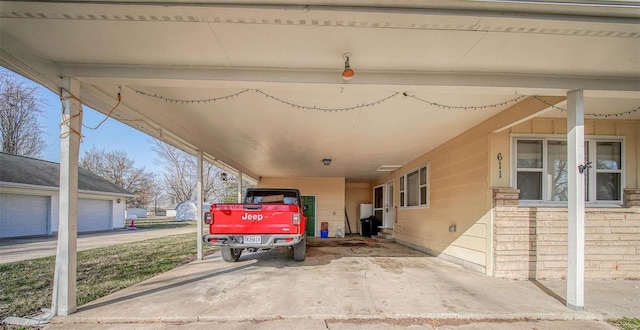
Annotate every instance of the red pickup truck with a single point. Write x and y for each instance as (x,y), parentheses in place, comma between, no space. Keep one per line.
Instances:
(268,218)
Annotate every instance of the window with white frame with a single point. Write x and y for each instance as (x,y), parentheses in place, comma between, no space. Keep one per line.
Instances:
(414,188)
(541,169)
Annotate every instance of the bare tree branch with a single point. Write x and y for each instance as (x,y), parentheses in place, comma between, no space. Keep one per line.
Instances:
(20,107)
(179,179)
(117,167)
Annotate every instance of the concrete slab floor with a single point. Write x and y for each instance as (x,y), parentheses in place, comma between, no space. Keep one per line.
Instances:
(343,284)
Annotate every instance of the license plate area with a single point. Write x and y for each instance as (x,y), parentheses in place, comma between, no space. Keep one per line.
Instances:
(252,239)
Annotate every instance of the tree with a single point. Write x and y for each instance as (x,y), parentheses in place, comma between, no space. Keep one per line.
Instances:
(179,178)
(117,167)
(20,107)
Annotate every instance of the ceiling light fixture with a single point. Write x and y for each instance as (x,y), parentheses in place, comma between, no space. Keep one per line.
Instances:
(326,161)
(388,168)
(347,73)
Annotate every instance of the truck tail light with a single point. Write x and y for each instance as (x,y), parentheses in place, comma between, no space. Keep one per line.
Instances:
(295,218)
(208,218)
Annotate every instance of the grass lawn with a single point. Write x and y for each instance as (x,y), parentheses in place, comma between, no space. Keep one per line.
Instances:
(27,285)
(627,323)
(159,223)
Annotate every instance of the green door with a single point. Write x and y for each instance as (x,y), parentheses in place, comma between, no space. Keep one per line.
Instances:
(310,213)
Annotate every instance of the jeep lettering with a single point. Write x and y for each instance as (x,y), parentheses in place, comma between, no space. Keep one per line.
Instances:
(248,216)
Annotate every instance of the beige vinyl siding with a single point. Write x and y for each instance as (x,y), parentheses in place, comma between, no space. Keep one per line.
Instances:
(460,171)
(330,197)
(356,194)
(458,186)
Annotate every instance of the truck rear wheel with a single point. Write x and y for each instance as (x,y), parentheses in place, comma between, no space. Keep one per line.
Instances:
(230,255)
(300,250)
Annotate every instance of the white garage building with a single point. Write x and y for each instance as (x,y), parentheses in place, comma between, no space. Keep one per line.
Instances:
(29,199)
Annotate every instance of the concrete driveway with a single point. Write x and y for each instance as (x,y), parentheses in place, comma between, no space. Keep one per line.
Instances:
(344,284)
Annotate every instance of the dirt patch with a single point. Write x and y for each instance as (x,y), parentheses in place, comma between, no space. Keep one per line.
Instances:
(343,242)
(359,247)
(389,265)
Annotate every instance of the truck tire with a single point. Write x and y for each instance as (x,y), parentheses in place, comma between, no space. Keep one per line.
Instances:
(230,255)
(300,250)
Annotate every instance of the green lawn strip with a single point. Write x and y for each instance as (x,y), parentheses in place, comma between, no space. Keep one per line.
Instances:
(27,285)
(161,223)
(627,323)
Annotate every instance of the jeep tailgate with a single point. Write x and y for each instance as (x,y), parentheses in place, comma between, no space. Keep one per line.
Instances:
(254,219)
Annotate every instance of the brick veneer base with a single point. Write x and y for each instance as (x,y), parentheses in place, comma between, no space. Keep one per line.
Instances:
(531,242)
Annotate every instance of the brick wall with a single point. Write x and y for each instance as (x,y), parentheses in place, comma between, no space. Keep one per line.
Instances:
(531,242)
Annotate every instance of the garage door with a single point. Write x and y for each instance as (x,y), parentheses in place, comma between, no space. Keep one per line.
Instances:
(24,215)
(94,215)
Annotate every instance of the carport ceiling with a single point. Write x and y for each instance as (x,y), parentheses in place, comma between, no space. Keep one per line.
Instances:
(285,61)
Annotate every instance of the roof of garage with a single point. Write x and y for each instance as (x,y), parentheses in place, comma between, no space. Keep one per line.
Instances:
(31,171)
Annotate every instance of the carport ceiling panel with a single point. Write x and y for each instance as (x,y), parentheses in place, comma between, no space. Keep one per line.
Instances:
(321,47)
(273,139)
(96,42)
(179,119)
(555,54)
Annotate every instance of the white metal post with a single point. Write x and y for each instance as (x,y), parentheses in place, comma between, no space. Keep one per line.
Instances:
(64,289)
(200,205)
(575,238)
(239,187)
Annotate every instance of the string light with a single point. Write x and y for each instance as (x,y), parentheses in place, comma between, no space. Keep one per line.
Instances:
(197,101)
(456,107)
(375,103)
(297,106)
(603,115)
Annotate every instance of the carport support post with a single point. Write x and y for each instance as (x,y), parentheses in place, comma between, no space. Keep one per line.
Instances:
(239,187)
(200,206)
(64,283)
(575,237)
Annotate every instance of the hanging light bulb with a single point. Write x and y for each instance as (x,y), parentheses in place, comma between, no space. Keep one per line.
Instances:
(347,73)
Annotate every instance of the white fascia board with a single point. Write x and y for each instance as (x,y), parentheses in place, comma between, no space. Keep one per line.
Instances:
(187,75)
(32,187)
(87,192)
(12,187)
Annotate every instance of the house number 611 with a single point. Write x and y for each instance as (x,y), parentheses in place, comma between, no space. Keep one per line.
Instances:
(500,165)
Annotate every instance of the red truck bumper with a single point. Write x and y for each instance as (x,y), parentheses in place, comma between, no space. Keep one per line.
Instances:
(238,241)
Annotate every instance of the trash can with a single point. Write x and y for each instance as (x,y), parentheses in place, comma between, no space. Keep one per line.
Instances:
(365,225)
(324,226)
(375,225)
(324,230)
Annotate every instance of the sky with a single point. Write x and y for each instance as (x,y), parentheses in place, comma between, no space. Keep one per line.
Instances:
(112,135)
